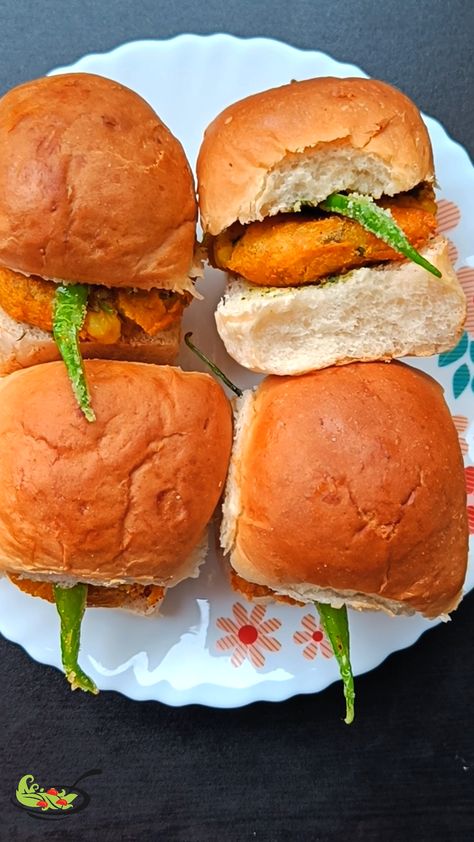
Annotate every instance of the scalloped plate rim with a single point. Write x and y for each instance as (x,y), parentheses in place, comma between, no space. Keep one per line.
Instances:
(125,682)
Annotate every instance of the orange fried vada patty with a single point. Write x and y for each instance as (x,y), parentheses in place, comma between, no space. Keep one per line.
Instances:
(98,596)
(253,592)
(110,312)
(291,249)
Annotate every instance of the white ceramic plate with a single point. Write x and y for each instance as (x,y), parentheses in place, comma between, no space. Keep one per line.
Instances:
(209,646)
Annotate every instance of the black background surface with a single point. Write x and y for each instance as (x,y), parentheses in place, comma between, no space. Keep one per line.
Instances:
(405,770)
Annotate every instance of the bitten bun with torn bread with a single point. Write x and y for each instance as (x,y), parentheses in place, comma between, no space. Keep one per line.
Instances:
(347,487)
(121,505)
(304,191)
(94,191)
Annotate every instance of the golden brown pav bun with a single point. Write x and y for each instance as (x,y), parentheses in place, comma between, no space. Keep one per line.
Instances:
(125,499)
(301,142)
(347,485)
(93,186)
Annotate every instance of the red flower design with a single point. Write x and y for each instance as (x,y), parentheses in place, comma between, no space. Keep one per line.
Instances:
(469,474)
(313,637)
(470,519)
(247,635)
(448,215)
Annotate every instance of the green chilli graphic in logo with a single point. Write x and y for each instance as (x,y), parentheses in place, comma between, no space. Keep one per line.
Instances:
(54,802)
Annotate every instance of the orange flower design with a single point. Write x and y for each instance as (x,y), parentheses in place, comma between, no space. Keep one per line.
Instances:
(247,635)
(469,473)
(448,215)
(461,422)
(466,279)
(453,253)
(313,639)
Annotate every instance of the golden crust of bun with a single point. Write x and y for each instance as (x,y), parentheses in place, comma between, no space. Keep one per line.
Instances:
(351,479)
(125,499)
(292,124)
(93,186)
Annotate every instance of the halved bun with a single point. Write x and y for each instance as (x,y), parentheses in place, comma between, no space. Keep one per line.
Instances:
(93,186)
(124,499)
(347,484)
(371,313)
(304,141)
(22,345)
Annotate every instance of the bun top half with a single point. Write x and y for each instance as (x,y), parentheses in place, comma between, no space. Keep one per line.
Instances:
(348,484)
(303,141)
(125,499)
(93,186)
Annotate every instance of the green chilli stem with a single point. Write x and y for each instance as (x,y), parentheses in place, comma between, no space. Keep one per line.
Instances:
(336,626)
(71,604)
(69,312)
(217,371)
(379,222)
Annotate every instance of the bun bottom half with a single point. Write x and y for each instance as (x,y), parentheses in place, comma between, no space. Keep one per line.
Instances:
(22,345)
(306,592)
(372,313)
(121,591)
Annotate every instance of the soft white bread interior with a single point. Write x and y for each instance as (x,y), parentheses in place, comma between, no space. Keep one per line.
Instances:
(301,142)
(22,345)
(347,485)
(309,179)
(371,313)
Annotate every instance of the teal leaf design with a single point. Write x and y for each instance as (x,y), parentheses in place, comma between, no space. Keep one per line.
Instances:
(460,380)
(471,349)
(455,353)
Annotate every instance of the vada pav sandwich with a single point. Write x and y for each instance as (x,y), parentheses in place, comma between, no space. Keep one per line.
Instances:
(317,199)
(346,488)
(111,513)
(97,227)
